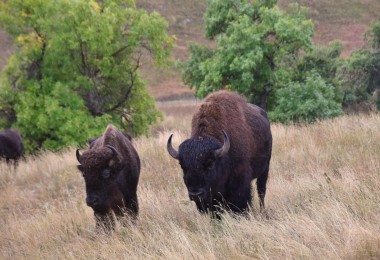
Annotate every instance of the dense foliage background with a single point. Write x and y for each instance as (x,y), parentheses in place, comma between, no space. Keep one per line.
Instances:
(75,71)
(361,72)
(267,54)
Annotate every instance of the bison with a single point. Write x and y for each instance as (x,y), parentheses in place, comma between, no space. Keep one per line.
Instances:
(111,170)
(11,145)
(230,145)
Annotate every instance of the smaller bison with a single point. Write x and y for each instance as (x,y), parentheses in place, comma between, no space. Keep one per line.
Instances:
(11,146)
(230,145)
(111,170)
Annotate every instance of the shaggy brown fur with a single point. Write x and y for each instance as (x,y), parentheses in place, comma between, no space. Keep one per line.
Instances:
(111,169)
(244,123)
(227,180)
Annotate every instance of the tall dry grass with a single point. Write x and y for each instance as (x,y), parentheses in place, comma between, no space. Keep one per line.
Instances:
(323,202)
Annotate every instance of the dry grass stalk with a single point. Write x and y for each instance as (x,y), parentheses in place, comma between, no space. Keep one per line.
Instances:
(323,201)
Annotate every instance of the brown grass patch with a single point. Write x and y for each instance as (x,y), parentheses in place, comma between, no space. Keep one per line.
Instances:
(322,202)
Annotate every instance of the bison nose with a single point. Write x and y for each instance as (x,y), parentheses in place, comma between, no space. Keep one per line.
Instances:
(91,200)
(193,195)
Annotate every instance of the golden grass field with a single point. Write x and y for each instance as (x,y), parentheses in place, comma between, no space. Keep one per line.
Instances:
(323,201)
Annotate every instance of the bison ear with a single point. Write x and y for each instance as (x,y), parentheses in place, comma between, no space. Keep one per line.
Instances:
(80,168)
(92,141)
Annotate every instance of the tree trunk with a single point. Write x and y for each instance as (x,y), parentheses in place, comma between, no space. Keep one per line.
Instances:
(263,97)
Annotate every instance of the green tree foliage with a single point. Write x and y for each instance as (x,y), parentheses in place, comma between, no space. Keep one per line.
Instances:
(306,102)
(255,43)
(313,90)
(76,68)
(267,55)
(361,72)
(325,61)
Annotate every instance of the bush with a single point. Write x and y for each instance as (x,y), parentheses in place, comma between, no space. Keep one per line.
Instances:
(315,99)
(361,72)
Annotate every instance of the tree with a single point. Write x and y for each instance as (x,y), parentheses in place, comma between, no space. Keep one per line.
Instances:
(361,72)
(255,42)
(78,69)
(323,60)
(313,90)
(304,103)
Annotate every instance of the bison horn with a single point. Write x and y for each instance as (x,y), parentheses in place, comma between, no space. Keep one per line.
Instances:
(224,149)
(115,154)
(173,152)
(78,155)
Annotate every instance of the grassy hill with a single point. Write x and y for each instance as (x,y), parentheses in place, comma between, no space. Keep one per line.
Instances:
(346,20)
(322,202)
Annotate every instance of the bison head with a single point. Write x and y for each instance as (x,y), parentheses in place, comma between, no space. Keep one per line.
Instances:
(100,169)
(201,161)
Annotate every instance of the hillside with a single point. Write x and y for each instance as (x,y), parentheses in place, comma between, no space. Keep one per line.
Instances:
(345,20)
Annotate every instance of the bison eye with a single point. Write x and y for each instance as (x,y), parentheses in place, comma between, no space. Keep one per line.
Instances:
(106,173)
(209,165)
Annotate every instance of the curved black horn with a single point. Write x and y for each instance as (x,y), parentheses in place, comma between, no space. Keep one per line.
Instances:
(224,149)
(115,154)
(173,152)
(78,155)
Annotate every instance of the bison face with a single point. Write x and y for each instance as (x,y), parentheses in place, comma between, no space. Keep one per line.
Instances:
(102,189)
(102,176)
(201,161)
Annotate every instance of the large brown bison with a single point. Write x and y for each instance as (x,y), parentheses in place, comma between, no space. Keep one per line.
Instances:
(230,145)
(111,170)
(11,145)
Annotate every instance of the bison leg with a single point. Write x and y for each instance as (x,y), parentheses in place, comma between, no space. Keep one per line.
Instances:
(262,187)
(241,202)
(240,197)
(130,208)
(260,171)
(121,213)
(15,163)
(204,206)
(104,221)
(11,162)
